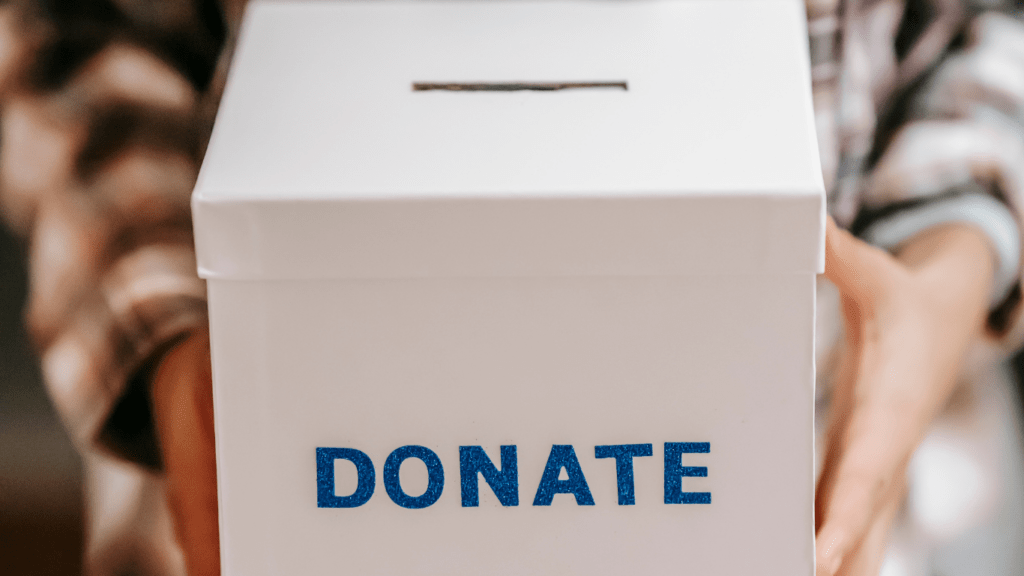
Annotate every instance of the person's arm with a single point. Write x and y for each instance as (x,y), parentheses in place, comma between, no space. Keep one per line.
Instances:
(943,193)
(183,410)
(102,113)
(909,320)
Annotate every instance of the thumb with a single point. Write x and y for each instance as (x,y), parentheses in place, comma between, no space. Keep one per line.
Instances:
(854,266)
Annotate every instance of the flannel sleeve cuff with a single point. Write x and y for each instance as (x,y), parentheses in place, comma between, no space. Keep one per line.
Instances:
(979,209)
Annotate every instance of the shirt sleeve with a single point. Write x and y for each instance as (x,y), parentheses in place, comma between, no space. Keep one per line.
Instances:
(956,154)
(101,135)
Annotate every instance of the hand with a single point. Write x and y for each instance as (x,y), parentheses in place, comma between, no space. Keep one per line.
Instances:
(909,320)
(183,409)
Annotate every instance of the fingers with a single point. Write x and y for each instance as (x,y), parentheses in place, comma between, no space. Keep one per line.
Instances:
(875,429)
(183,407)
(867,560)
(855,509)
(879,414)
(866,557)
(847,520)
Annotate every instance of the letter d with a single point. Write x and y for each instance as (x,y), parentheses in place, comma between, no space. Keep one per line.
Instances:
(325,497)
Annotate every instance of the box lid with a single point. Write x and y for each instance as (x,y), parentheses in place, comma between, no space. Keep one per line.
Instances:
(696,156)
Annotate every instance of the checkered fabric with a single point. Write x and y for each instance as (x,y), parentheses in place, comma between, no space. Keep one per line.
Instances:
(106,105)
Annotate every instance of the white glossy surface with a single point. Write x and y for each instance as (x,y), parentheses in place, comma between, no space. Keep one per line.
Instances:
(319,102)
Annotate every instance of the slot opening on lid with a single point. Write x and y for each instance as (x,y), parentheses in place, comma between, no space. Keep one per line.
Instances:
(516,86)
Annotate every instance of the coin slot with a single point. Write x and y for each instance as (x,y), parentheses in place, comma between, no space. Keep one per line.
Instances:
(517,86)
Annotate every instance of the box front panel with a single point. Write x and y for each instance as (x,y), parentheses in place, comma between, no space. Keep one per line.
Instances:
(710,376)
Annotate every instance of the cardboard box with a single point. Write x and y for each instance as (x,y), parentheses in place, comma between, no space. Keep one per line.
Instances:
(508,326)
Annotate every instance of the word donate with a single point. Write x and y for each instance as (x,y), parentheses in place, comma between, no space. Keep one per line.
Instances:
(503,480)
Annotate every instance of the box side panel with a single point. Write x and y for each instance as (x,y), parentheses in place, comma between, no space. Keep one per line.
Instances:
(376,365)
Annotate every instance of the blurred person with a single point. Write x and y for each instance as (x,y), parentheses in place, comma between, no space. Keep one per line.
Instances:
(105,107)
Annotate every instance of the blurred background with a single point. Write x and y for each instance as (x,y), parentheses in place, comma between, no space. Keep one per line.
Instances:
(41,477)
(40,472)
(102,105)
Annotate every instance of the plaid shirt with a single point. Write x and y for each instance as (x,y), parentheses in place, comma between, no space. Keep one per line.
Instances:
(106,106)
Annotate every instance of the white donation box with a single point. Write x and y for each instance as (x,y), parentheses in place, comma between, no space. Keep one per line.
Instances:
(514,288)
